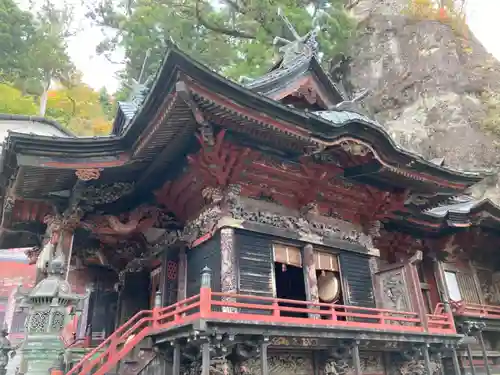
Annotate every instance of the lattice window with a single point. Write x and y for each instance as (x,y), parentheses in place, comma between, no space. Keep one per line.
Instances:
(171,270)
(39,322)
(57,321)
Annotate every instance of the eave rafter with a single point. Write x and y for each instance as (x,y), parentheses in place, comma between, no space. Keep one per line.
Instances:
(307,185)
(306,135)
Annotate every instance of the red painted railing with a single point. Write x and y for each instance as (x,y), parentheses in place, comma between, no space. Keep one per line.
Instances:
(475,310)
(253,310)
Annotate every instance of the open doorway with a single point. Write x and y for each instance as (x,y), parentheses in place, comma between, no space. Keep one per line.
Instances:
(290,285)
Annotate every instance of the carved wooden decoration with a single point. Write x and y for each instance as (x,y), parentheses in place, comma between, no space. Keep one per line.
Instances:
(310,186)
(88,174)
(27,210)
(311,281)
(393,290)
(279,365)
(228,265)
(139,220)
(397,246)
(221,163)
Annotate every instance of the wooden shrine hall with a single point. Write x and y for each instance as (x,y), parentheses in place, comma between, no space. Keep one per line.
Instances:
(267,228)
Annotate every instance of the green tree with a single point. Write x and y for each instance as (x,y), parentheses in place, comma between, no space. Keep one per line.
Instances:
(16,31)
(106,103)
(12,101)
(232,37)
(49,47)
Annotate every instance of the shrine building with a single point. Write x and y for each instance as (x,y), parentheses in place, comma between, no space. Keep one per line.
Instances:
(270,228)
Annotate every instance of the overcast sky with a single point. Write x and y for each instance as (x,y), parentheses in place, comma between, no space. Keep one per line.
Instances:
(97,71)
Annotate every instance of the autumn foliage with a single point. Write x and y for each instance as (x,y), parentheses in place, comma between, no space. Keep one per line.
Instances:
(78,108)
(446,11)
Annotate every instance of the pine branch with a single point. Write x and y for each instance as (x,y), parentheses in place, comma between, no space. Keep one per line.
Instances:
(219,29)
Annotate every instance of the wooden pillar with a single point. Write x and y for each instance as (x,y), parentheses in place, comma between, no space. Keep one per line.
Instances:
(205,358)
(477,283)
(485,353)
(176,359)
(182,275)
(443,290)
(356,359)
(456,364)
(264,365)
(471,359)
(228,266)
(310,277)
(85,316)
(163,279)
(418,298)
(427,359)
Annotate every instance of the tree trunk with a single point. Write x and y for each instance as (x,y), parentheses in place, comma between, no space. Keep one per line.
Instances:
(45,94)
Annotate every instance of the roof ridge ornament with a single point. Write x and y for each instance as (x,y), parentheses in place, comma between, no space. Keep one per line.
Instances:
(306,45)
(138,90)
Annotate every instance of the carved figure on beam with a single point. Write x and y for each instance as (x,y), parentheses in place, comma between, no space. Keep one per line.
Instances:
(206,131)
(139,220)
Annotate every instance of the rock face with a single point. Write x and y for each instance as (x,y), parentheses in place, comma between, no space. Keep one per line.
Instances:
(430,87)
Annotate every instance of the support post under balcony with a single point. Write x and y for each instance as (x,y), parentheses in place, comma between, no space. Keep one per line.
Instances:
(471,360)
(176,359)
(205,358)
(356,358)
(456,364)
(264,364)
(485,353)
(427,359)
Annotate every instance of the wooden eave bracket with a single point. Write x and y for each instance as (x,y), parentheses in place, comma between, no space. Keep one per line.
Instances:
(206,130)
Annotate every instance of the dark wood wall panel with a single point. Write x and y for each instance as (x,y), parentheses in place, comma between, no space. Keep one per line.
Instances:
(255,264)
(206,254)
(467,287)
(358,284)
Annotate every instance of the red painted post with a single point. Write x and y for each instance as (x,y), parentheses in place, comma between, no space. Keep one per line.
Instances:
(155,316)
(382,320)
(205,292)
(276,309)
(333,312)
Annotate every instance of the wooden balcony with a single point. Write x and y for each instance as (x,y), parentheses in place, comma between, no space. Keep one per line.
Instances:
(253,310)
(471,310)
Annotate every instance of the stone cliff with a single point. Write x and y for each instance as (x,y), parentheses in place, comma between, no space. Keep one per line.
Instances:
(435,90)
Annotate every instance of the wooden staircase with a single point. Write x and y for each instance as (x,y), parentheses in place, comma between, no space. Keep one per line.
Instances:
(118,347)
(138,358)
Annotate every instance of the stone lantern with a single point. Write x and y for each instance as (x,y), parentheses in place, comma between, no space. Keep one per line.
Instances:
(5,349)
(49,305)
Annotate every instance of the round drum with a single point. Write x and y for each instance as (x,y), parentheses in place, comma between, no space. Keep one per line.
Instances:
(328,287)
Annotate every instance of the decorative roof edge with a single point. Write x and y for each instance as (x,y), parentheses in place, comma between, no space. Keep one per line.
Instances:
(316,129)
(43,120)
